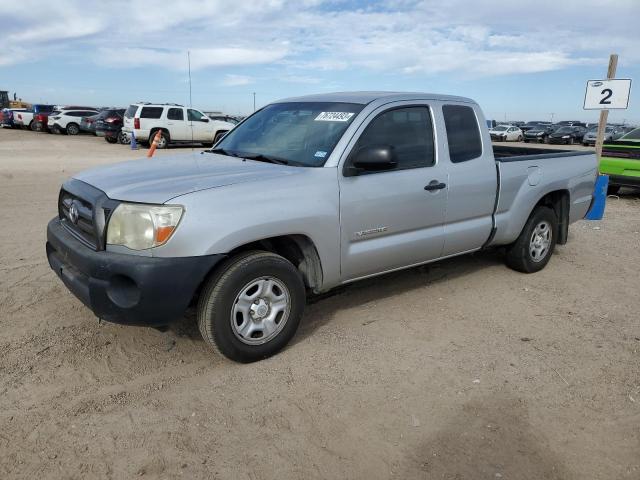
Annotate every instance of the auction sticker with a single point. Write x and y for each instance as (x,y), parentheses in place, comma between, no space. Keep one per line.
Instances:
(334,117)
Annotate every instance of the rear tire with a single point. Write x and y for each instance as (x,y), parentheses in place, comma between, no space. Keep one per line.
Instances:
(163,142)
(251,307)
(72,129)
(533,248)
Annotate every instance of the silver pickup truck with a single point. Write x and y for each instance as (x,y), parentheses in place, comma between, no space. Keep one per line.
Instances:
(305,195)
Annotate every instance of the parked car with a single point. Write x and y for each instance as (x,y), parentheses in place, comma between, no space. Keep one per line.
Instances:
(7,116)
(25,118)
(620,160)
(68,121)
(571,123)
(506,133)
(591,135)
(622,131)
(109,125)
(176,123)
(568,135)
(534,124)
(539,133)
(354,191)
(41,121)
(87,124)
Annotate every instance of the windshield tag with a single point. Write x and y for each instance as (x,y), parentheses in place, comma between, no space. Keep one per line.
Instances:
(320,154)
(334,116)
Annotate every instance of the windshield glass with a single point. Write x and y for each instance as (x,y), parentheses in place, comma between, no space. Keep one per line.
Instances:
(632,135)
(500,128)
(298,133)
(565,130)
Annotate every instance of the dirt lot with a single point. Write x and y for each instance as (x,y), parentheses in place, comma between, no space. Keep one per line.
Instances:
(459,370)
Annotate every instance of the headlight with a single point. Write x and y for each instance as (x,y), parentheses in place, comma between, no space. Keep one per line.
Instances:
(565,136)
(138,226)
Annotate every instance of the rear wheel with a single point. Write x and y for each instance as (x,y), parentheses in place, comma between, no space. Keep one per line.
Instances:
(73,129)
(533,248)
(251,307)
(163,142)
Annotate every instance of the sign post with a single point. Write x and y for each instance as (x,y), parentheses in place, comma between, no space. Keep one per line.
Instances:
(604,114)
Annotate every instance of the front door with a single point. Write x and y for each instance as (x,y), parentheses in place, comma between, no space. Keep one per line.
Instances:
(395,218)
(201,126)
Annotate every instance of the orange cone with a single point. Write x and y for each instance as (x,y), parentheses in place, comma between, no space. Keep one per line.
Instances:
(154,145)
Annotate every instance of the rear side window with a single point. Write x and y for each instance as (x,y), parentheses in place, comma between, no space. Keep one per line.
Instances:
(175,114)
(463,133)
(131,111)
(151,112)
(408,130)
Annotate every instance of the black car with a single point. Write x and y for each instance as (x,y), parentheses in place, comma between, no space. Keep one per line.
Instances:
(531,125)
(108,124)
(539,133)
(568,135)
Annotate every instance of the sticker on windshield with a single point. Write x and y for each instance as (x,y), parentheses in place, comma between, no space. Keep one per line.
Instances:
(334,117)
(320,154)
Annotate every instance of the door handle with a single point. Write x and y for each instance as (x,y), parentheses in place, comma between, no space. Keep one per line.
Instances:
(435,185)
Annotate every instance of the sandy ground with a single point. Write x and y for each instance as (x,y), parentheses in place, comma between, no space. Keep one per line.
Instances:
(459,370)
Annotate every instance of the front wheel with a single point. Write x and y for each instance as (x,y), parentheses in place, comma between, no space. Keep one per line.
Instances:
(111,139)
(533,248)
(252,306)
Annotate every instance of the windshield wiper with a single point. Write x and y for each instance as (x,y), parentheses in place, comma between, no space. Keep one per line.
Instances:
(222,151)
(266,158)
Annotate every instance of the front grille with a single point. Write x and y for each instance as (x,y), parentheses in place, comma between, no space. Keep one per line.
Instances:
(92,209)
(83,226)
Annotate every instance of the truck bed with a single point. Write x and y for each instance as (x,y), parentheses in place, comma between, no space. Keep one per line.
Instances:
(508,153)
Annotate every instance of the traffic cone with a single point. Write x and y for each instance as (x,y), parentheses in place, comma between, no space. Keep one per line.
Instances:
(154,145)
(134,144)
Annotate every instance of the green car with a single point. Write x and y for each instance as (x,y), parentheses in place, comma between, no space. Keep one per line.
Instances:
(621,161)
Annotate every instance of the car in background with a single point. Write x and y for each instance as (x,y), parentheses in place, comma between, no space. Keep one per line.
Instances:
(7,116)
(567,135)
(620,160)
(222,117)
(25,119)
(623,130)
(87,124)
(539,133)
(41,121)
(571,123)
(533,124)
(108,124)
(506,133)
(68,120)
(177,124)
(592,134)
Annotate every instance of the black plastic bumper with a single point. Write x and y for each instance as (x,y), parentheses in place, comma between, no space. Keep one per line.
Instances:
(127,289)
(624,181)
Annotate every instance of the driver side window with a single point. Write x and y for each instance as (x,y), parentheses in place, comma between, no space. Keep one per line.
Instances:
(408,131)
(194,115)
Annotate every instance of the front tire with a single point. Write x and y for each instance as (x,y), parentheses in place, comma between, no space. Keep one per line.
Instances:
(111,139)
(533,248)
(72,129)
(252,306)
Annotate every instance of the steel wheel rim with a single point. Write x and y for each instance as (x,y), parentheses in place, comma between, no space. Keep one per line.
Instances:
(162,142)
(540,241)
(260,310)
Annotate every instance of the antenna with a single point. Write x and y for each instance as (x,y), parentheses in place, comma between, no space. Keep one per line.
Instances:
(189,66)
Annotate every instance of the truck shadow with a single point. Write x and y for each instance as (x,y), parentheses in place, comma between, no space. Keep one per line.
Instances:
(487,437)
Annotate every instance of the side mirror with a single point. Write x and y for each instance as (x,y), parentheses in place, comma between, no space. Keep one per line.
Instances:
(373,159)
(204,119)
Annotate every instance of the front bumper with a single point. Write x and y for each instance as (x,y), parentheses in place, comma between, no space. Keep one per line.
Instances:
(127,289)
(557,140)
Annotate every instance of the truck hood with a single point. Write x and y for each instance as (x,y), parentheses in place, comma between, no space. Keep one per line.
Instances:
(158,180)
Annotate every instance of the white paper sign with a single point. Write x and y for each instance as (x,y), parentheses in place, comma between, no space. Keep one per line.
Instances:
(334,117)
(607,94)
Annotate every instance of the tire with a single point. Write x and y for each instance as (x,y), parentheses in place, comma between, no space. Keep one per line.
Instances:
(164,139)
(519,138)
(219,135)
(526,141)
(613,189)
(221,318)
(72,129)
(34,126)
(533,248)
(123,138)
(111,139)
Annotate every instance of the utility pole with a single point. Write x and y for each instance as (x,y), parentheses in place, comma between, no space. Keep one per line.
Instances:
(552,114)
(254,101)
(604,114)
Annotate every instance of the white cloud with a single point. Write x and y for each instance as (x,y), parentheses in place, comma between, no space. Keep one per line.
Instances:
(421,37)
(233,80)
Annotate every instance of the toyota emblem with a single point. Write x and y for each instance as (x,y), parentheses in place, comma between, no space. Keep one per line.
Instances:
(73,213)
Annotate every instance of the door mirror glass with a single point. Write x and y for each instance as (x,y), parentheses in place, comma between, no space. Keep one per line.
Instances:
(204,119)
(375,158)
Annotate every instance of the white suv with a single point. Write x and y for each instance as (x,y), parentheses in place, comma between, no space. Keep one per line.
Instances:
(68,120)
(177,123)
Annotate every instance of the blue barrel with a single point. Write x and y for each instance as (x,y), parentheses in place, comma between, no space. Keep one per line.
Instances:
(596,212)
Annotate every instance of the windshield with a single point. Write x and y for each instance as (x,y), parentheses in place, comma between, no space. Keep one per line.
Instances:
(500,128)
(632,135)
(565,130)
(297,133)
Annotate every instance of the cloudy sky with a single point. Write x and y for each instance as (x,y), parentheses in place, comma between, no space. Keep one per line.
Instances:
(520,60)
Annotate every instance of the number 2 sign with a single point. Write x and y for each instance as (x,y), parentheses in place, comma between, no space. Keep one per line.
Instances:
(607,94)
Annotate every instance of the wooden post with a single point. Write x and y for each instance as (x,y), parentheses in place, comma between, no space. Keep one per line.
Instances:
(604,114)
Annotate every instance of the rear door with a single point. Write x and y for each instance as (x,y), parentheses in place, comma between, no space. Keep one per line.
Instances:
(473,180)
(177,124)
(388,219)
